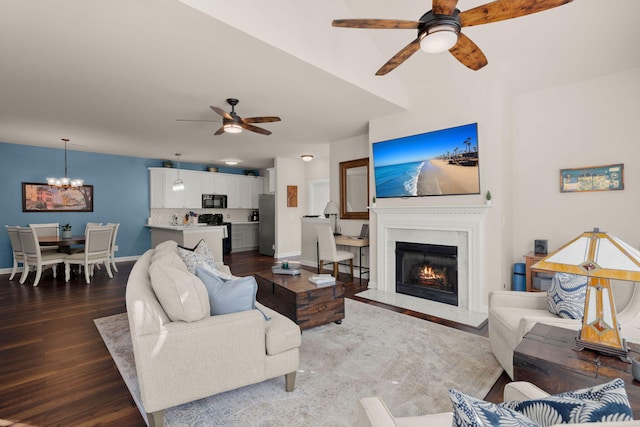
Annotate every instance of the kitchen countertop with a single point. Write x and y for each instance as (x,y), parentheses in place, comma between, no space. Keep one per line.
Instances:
(190,228)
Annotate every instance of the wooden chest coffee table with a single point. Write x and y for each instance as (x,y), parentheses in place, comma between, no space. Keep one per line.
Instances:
(300,300)
(545,357)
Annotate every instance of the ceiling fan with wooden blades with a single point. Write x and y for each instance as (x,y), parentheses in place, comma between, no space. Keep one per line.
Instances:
(440,28)
(233,123)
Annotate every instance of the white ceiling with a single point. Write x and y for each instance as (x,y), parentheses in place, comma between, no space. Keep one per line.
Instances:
(114,75)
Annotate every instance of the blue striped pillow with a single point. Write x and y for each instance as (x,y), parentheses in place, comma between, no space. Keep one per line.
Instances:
(566,295)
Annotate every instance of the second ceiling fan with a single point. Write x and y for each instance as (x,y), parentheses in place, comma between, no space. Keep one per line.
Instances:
(440,28)
(233,123)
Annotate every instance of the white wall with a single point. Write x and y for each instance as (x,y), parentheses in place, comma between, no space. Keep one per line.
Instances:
(586,123)
(288,229)
(524,141)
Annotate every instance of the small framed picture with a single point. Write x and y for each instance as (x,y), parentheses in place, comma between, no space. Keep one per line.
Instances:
(47,198)
(595,178)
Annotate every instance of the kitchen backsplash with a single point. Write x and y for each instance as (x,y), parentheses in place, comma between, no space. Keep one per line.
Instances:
(165,216)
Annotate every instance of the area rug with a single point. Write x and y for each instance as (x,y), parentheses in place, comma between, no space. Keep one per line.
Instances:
(411,363)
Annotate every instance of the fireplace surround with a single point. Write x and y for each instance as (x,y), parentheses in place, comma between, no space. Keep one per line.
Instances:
(459,226)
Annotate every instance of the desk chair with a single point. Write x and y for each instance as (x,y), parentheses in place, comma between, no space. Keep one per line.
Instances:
(16,247)
(327,250)
(33,256)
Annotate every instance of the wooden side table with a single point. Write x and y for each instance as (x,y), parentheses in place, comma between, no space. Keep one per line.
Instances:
(531,258)
(546,358)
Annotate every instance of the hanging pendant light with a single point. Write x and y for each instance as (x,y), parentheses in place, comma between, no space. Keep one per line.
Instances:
(178,185)
(65,182)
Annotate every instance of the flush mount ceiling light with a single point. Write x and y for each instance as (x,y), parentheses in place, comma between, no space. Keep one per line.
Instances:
(178,185)
(65,182)
(231,162)
(307,157)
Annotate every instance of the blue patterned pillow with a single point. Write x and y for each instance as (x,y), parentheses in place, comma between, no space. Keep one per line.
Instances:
(566,295)
(471,412)
(605,402)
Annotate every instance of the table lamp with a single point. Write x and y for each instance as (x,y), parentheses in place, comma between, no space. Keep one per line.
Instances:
(601,257)
(332,209)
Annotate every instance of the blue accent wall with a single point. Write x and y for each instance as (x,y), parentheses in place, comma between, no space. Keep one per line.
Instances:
(120,192)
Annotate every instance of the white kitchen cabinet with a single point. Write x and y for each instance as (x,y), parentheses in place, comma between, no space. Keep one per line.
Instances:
(242,191)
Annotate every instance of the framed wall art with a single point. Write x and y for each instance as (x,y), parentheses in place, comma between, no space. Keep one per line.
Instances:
(48,198)
(595,178)
(292,196)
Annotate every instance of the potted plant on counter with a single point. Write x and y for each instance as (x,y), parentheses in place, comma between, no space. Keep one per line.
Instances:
(66,231)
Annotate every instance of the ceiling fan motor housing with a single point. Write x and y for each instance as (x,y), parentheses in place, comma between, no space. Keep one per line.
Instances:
(432,23)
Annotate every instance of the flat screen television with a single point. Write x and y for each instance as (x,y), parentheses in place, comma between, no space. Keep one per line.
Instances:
(438,163)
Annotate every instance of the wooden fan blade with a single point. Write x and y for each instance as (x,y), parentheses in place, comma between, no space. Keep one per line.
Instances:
(399,57)
(500,10)
(255,129)
(468,53)
(266,119)
(220,131)
(221,112)
(376,23)
(444,7)
(196,120)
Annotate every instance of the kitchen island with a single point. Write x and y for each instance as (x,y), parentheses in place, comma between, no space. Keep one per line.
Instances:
(189,236)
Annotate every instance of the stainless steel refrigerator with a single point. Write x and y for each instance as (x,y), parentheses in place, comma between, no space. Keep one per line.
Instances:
(267,225)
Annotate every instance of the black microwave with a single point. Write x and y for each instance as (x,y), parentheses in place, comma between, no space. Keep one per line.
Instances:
(215,201)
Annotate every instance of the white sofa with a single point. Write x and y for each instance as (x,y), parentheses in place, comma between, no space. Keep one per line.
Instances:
(179,362)
(372,412)
(513,314)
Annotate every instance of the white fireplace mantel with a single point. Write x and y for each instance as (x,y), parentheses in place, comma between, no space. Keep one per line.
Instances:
(461,226)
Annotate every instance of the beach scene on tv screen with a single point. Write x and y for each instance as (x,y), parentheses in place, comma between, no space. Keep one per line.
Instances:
(443,162)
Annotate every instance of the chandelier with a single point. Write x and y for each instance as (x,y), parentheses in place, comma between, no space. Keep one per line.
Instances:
(65,182)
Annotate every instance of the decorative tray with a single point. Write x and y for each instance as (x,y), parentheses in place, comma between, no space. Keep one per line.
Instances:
(277,269)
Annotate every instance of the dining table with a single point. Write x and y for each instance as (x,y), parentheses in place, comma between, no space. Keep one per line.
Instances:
(63,243)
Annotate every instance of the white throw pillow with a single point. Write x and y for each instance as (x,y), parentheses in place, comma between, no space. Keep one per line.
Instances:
(198,256)
(182,295)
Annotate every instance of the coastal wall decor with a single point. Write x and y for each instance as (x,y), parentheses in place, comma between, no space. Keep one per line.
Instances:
(594,178)
(439,163)
(47,198)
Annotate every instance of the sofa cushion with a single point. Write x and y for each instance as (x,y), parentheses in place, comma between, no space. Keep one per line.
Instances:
(471,412)
(170,258)
(182,295)
(505,321)
(198,255)
(167,245)
(282,333)
(567,294)
(230,296)
(604,402)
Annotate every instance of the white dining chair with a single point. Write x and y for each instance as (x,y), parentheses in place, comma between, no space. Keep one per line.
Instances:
(114,247)
(34,257)
(46,230)
(16,248)
(328,252)
(76,249)
(96,250)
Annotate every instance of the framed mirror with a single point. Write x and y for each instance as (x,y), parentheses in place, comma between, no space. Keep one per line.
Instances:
(354,189)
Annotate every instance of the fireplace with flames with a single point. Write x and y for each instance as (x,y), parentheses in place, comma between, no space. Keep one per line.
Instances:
(427,271)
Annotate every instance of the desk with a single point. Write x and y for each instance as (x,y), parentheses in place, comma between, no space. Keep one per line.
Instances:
(530,259)
(62,243)
(356,243)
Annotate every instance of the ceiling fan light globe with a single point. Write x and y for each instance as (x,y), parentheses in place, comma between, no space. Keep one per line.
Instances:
(439,38)
(232,128)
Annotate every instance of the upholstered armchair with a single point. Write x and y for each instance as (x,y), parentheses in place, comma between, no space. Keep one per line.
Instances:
(513,314)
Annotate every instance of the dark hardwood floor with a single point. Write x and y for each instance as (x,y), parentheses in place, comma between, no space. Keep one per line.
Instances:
(55,369)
